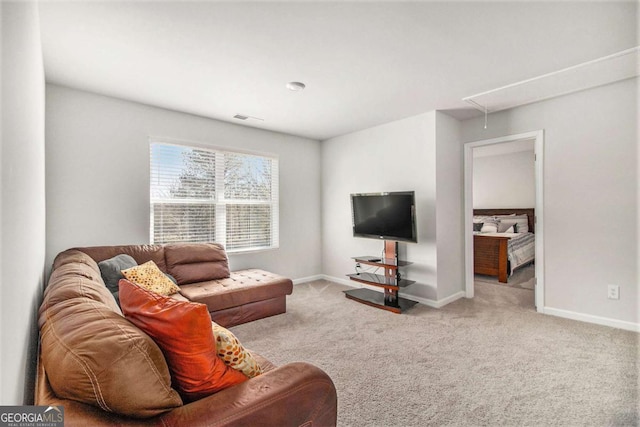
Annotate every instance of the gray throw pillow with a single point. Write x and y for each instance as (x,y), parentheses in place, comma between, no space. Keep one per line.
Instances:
(110,270)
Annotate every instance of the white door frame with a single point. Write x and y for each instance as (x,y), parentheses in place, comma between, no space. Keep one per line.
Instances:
(538,136)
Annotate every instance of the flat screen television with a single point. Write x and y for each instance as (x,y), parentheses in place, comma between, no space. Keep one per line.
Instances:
(388,216)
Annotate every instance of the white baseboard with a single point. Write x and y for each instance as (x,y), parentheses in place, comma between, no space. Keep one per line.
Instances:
(307,279)
(605,321)
(433,303)
(341,281)
(451,298)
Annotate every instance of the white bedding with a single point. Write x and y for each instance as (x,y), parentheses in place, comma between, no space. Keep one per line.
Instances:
(521,249)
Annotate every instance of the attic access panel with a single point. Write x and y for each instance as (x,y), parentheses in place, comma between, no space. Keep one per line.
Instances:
(608,69)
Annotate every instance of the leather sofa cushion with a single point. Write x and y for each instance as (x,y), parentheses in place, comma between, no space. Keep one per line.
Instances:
(91,353)
(196,262)
(72,267)
(71,256)
(241,287)
(141,253)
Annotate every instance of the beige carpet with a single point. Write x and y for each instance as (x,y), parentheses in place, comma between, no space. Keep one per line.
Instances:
(483,362)
(522,278)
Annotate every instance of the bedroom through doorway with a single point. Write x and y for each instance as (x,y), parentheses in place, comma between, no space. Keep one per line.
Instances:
(503,194)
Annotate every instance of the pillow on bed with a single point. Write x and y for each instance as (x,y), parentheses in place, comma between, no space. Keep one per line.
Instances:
(520,222)
(506,227)
(490,226)
(521,228)
(477,226)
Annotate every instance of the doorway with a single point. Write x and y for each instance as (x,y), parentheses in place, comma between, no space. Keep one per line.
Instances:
(538,138)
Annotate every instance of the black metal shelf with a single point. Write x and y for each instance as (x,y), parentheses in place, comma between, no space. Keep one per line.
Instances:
(382,262)
(377,299)
(380,280)
(390,281)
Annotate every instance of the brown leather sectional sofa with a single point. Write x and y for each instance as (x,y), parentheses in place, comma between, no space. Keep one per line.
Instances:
(105,371)
(233,297)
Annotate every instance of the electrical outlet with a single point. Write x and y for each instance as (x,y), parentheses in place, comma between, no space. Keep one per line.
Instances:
(613,291)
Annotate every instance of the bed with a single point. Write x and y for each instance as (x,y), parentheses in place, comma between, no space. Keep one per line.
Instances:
(500,252)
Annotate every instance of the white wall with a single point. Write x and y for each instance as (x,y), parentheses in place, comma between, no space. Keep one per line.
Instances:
(590,188)
(398,156)
(23,199)
(2,389)
(504,181)
(449,206)
(638,169)
(98,176)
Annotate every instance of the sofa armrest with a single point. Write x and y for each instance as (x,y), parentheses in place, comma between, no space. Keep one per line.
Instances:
(295,394)
(292,395)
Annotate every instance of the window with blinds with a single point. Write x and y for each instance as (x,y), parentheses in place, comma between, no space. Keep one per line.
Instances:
(203,195)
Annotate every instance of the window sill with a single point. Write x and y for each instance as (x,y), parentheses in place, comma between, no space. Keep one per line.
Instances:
(251,251)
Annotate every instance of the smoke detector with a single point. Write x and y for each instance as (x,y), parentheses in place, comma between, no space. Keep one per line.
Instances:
(296,86)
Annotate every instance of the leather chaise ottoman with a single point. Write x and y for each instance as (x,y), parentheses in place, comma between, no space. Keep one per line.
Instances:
(242,297)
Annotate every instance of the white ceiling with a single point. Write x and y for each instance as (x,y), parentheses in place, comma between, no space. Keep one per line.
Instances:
(608,69)
(364,63)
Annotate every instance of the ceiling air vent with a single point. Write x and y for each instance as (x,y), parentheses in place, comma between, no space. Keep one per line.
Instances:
(243,117)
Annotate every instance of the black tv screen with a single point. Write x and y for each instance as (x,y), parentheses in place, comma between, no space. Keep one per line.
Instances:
(389,216)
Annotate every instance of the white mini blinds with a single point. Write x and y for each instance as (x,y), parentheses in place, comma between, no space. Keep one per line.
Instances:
(206,195)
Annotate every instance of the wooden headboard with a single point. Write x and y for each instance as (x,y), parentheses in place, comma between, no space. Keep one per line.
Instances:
(529,211)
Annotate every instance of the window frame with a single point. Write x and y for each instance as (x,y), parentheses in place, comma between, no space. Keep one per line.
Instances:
(220,202)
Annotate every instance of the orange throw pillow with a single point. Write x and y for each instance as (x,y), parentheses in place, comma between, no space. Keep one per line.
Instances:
(183,331)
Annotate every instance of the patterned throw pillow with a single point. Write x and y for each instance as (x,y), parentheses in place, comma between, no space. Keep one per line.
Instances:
(150,277)
(232,353)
